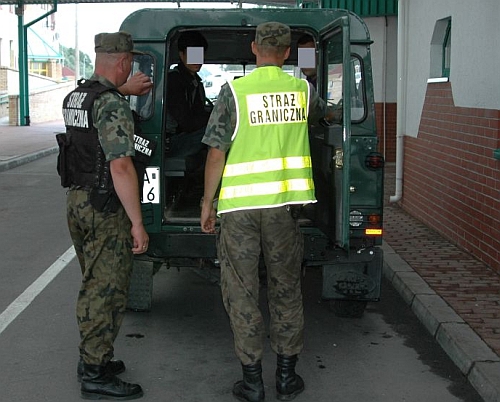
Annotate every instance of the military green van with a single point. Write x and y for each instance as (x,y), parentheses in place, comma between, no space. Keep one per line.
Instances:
(343,230)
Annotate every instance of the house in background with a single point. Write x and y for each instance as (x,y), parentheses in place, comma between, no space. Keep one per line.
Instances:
(8,53)
(45,63)
(44,57)
(8,36)
(68,74)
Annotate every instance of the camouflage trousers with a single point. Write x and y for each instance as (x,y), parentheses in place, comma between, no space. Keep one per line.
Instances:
(103,246)
(243,235)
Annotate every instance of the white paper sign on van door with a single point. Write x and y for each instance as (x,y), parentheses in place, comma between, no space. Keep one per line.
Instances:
(151,188)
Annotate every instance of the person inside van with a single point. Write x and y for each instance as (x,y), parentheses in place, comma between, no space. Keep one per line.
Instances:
(187,115)
(306,41)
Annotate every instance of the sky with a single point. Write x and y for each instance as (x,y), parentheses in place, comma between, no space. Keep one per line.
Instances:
(107,17)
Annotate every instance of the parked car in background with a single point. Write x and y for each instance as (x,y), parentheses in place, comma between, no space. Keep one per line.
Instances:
(213,84)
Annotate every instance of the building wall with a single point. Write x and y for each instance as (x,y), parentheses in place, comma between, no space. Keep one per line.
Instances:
(386,128)
(9,44)
(383,32)
(451,181)
(45,104)
(8,36)
(474,33)
(9,80)
(474,54)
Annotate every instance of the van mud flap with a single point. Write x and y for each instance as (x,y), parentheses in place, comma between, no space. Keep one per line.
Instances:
(357,278)
(140,294)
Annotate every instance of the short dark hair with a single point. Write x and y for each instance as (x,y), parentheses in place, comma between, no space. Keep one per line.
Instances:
(191,39)
(306,38)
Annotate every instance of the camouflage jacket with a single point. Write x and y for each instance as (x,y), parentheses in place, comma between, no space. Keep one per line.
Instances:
(114,122)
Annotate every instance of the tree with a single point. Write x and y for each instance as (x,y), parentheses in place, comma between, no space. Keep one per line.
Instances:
(86,67)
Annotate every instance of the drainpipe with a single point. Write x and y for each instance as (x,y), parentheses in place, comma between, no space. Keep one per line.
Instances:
(401,96)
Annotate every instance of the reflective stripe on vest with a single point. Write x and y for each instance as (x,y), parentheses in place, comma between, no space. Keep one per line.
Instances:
(267,165)
(275,187)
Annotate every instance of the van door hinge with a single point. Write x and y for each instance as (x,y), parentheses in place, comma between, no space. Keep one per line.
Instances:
(339,158)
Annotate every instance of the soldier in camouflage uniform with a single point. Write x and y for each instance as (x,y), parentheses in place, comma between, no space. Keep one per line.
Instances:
(260,122)
(103,211)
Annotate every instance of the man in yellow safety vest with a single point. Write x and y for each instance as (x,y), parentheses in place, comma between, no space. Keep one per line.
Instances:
(260,123)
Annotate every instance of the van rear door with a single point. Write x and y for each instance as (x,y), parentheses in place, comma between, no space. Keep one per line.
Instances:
(330,145)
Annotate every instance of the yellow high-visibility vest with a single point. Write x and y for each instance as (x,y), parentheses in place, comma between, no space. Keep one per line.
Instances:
(269,162)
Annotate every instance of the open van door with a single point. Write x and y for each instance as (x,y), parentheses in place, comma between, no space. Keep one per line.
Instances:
(330,144)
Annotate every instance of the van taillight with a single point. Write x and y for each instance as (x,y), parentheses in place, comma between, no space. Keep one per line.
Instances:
(375,223)
(373,232)
(374,219)
(374,161)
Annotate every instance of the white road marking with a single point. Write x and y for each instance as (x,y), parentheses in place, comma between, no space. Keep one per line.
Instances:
(25,299)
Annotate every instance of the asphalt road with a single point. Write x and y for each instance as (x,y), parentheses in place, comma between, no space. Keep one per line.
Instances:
(182,350)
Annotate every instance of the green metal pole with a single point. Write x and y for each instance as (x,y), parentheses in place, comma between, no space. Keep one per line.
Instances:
(26,93)
(24,105)
(23,67)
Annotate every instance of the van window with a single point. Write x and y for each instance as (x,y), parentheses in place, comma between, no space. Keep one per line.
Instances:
(216,75)
(143,105)
(334,83)
(357,91)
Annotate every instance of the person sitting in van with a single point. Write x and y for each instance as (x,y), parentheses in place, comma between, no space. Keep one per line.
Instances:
(187,115)
(306,41)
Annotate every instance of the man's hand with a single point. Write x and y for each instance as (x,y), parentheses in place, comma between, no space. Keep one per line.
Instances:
(126,187)
(214,166)
(334,113)
(140,239)
(208,217)
(139,84)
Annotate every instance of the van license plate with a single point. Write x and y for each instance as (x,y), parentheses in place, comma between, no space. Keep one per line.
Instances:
(151,188)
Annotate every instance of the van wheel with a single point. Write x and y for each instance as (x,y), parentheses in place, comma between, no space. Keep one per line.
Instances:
(348,308)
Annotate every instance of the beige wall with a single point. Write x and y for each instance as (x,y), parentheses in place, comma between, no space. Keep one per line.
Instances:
(45,105)
(474,54)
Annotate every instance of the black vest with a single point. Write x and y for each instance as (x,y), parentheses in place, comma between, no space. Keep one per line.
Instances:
(81,159)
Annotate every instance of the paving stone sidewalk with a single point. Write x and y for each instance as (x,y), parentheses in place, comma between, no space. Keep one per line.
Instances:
(23,144)
(455,296)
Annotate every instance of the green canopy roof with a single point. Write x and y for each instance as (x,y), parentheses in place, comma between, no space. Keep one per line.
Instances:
(39,49)
(364,8)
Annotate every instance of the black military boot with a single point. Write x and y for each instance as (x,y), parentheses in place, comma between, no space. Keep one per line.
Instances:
(114,367)
(97,383)
(288,383)
(251,388)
